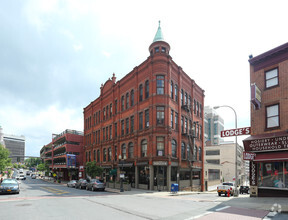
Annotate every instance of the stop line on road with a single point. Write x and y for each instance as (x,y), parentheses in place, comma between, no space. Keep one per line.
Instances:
(54,190)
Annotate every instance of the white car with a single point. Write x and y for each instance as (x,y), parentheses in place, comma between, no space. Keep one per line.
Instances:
(20,177)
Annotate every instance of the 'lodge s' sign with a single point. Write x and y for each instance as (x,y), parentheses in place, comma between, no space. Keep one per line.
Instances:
(267,144)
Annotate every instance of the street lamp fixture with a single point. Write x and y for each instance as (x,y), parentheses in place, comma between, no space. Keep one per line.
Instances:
(236,176)
(121,173)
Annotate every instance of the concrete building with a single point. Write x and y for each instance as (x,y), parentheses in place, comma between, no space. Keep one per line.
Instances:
(269,123)
(153,119)
(64,154)
(16,146)
(214,124)
(220,164)
(2,137)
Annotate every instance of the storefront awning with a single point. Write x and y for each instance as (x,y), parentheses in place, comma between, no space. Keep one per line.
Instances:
(273,156)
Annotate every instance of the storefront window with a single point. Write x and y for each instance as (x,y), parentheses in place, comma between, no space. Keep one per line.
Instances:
(174,173)
(144,175)
(271,174)
(185,175)
(160,174)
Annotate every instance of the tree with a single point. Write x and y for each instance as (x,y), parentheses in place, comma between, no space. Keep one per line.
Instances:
(5,161)
(43,167)
(93,170)
(32,162)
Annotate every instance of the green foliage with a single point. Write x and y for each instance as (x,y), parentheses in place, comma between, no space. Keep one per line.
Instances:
(32,162)
(5,161)
(93,170)
(43,167)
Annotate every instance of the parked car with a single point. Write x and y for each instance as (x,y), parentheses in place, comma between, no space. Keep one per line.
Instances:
(9,186)
(244,189)
(71,183)
(81,184)
(33,176)
(28,172)
(21,177)
(225,187)
(95,184)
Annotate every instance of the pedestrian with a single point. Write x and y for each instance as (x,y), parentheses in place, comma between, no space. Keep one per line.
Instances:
(1,180)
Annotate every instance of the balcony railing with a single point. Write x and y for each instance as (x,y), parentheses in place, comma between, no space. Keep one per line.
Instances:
(68,131)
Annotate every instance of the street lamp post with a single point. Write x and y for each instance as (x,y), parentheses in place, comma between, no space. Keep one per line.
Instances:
(121,173)
(236,176)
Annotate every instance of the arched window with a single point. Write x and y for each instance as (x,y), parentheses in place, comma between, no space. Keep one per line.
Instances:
(123,151)
(183,151)
(174,148)
(130,150)
(132,98)
(140,93)
(144,148)
(146,89)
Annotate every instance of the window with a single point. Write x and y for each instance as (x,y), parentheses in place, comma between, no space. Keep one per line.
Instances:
(94,155)
(188,152)
(111,110)
(130,150)
(183,151)
(132,98)
(98,155)
(115,153)
(213,174)
(163,49)
(174,148)
(156,49)
(160,146)
(147,118)
(272,116)
(186,125)
(140,120)
(106,133)
(127,100)
(176,93)
(160,115)
(115,107)
(109,154)
(186,98)
(197,108)
(89,156)
(213,161)
(144,148)
(103,134)
(195,153)
(132,124)
(176,121)
(110,132)
(160,85)
(122,127)
(115,130)
(104,154)
(127,125)
(182,124)
(146,89)
(194,106)
(189,102)
(104,113)
(182,97)
(107,112)
(123,151)
(213,152)
(172,119)
(140,93)
(271,78)
(172,90)
(200,153)
(122,103)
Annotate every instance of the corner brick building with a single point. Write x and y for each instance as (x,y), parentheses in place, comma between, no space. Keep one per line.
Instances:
(153,119)
(269,123)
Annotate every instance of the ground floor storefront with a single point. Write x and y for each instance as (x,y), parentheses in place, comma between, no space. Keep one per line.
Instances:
(269,165)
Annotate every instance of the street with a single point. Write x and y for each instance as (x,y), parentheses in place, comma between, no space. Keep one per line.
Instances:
(39,199)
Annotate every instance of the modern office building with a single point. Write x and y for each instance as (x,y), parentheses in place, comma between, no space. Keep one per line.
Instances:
(269,123)
(16,146)
(64,154)
(2,137)
(149,125)
(214,124)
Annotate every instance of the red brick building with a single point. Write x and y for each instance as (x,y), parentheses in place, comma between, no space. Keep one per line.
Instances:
(153,118)
(269,123)
(64,154)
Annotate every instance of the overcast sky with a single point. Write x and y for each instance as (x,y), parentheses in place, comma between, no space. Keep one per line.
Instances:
(55,55)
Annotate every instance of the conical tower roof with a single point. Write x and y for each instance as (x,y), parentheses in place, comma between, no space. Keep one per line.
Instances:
(159,35)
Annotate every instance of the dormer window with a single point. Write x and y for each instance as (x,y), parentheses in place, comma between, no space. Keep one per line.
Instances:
(163,49)
(156,49)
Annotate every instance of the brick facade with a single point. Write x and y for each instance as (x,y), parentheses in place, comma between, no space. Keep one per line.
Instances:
(151,83)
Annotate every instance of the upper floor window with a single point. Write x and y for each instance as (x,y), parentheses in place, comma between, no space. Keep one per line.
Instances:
(111,110)
(163,49)
(146,89)
(172,119)
(127,125)
(176,121)
(183,151)
(188,152)
(104,113)
(271,78)
(176,93)
(122,127)
(109,154)
(272,116)
(115,153)
(186,98)
(123,151)
(98,155)
(182,97)
(132,124)
(115,130)
(160,85)
(140,120)
(132,98)
(160,146)
(127,100)
(156,49)
(200,153)
(174,148)
(172,90)
(144,148)
(140,93)
(122,103)
(147,118)
(94,155)
(104,154)
(130,150)
(160,115)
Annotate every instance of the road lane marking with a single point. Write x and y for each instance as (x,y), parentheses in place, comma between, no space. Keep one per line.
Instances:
(225,207)
(54,190)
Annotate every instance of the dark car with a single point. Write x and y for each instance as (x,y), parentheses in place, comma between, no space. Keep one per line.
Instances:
(71,183)
(244,189)
(81,184)
(9,186)
(95,184)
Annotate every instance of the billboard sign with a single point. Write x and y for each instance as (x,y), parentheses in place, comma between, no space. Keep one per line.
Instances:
(236,132)
(71,161)
(248,156)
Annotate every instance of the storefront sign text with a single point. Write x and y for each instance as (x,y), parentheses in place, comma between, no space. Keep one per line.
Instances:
(236,132)
(160,163)
(267,144)
(248,156)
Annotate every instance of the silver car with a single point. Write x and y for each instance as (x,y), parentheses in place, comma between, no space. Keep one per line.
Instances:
(95,184)
(71,183)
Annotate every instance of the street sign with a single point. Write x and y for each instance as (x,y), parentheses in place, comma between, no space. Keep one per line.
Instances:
(248,156)
(236,132)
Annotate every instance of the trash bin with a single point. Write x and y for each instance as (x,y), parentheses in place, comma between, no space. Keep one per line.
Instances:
(174,188)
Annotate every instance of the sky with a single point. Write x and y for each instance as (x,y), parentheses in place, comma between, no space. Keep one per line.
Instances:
(55,54)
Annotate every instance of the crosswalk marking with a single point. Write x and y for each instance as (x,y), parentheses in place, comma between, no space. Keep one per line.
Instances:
(54,190)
